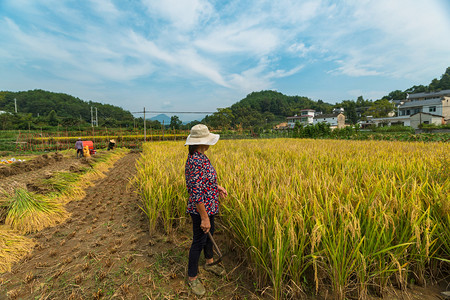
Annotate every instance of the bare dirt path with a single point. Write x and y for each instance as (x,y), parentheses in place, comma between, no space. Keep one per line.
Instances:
(104,251)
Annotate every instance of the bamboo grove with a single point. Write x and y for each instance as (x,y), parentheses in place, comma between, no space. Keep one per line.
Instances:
(354,217)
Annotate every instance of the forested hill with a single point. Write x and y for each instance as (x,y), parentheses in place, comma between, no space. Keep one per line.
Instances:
(435,85)
(264,107)
(276,103)
(41,103)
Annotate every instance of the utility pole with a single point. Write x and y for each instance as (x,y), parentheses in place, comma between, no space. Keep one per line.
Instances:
(96,117)
(145,129)
(15,105)
(92,118)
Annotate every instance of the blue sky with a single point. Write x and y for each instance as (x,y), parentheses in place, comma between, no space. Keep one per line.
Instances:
(199,55)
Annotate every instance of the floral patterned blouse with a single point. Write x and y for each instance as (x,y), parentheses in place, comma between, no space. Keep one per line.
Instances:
(201,183)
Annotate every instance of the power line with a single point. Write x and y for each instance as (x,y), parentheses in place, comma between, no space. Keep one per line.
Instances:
(174,112)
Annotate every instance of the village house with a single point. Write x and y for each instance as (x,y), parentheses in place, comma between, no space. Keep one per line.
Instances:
(433,107)
(306,117)
(311,117)
(336,120)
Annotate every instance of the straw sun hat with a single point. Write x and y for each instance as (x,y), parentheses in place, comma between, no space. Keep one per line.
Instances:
(200,135)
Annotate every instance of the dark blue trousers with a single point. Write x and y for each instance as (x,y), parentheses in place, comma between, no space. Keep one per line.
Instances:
(200,242)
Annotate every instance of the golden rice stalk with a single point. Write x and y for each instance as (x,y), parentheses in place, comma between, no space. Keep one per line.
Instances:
(27,212)
(13,248)
(307,213)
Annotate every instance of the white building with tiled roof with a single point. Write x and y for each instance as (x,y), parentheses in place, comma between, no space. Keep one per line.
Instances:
(336,120)
(433,103)
(306,117)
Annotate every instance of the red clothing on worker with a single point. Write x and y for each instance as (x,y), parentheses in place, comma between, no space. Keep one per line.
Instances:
(201,183)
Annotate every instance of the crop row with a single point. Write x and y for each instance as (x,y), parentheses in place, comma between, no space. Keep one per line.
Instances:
(23,212)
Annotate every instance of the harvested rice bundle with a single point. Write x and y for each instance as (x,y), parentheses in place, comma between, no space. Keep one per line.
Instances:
(27,212)
(67,186)
(13,248)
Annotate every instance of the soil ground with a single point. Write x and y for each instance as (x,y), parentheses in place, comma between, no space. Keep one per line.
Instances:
(104,250)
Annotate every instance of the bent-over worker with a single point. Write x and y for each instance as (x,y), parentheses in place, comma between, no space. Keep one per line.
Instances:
(79,147)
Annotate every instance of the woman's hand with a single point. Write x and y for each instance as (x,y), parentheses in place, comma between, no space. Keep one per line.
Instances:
(222,191)
(205,225)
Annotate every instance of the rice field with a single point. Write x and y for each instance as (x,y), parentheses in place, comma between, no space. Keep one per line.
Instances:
(352,217)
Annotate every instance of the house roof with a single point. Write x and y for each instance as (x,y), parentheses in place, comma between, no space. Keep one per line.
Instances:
(432,94)
(281,125)
(424,113)
(299,117)
(325,116)
(391,118)
(434,101)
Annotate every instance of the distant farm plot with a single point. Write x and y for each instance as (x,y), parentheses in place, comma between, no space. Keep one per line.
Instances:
(33,140)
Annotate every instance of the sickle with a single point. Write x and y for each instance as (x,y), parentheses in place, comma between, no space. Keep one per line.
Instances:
(219,259)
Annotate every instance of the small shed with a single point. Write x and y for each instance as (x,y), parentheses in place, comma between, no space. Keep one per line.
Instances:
(425,118)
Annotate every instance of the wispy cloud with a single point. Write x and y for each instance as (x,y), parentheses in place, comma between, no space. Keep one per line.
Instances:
(239,38)
(385,37)
(234,46)
(105,8)
(183,15)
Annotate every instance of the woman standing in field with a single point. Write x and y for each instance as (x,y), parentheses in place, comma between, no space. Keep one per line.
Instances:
(203,204)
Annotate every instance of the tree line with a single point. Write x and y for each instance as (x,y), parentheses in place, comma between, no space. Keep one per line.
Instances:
(44,109)
(39,109)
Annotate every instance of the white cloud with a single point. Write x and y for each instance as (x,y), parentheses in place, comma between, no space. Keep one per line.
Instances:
(284,73)
(106,8)
(33,46)
(295,12)
(183,14)
(392,38)
(260,77)
(239,38)
(354,67)
(300,49)
(136,43)
(368,94)
(251,79)
(235,46)
(190,60)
